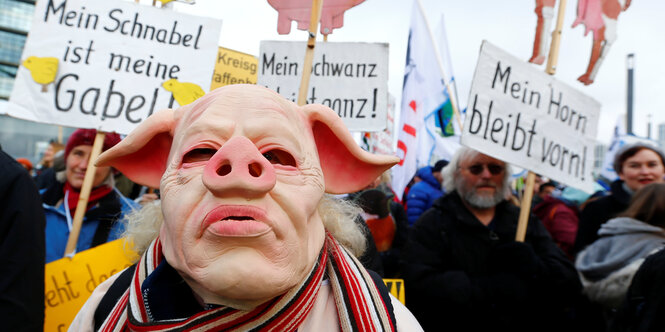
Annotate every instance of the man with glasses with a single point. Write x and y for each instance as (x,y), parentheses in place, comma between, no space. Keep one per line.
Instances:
(463,269)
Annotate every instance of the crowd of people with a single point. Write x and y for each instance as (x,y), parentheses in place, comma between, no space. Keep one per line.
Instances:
(594,266)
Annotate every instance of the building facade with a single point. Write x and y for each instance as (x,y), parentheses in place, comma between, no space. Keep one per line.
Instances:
(19,138)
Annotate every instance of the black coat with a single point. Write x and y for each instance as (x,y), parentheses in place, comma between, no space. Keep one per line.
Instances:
(463,276)
(644,307)
(21,249)
(599,212)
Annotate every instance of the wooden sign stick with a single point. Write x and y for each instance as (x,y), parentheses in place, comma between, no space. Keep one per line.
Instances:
(317,5)
(525,207)
(553,57)
(82,204)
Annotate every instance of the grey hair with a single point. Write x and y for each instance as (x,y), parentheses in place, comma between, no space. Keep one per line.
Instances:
(338,215)
(451,171)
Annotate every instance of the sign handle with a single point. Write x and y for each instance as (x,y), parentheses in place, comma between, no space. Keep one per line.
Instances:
(82,204)
(553,58)
(317,5)
(525,208)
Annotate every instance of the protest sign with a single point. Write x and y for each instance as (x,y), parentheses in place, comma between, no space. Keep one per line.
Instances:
(396,288)
(234,67)
(350,78)
(523,116)
(382,141)
(110,64)
(69,282)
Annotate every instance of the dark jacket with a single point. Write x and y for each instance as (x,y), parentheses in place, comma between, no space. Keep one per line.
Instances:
(463,276)
(21,249)
(599,212)
(422,195)
(644,307)
(560,220)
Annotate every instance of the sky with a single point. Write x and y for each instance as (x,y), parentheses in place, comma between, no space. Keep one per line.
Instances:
(509,25)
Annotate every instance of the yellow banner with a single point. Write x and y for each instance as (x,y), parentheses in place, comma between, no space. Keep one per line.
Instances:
(234,67)
(69,282)
(396,288)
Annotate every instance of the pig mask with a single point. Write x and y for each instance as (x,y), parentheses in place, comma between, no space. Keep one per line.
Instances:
(241,172)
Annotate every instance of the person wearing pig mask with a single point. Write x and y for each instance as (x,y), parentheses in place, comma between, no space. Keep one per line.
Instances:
(247,236)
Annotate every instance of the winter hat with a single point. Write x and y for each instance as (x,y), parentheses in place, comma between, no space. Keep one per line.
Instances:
(87,137)
(632,149)
(439,165)
(26,163)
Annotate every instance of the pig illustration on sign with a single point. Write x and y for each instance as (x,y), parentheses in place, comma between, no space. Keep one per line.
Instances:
(246,221)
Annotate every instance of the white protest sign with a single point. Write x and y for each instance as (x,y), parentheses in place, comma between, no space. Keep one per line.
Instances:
(382,141)
(350,78)
(110,64)
(523,116)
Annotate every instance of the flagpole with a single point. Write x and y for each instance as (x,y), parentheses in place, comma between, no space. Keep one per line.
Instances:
(437,55)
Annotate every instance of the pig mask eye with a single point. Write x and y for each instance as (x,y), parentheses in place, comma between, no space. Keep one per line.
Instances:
(280,157)
(198,155)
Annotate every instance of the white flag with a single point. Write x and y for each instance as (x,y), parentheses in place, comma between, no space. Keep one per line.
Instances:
(425,120)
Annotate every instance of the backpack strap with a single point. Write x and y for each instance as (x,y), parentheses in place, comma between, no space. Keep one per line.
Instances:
(112,296)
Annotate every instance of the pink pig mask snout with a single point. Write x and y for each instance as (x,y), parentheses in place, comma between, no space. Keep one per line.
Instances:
(239,169)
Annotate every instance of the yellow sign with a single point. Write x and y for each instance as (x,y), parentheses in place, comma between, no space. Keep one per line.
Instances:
(69,282)
(396,288)
(234,67)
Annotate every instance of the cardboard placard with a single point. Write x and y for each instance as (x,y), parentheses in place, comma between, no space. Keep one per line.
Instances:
(350,78)
(106,64)
(234,67)
(69,282)
(523,116)
(396,288)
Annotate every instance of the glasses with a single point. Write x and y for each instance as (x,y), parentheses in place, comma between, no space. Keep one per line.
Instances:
(494,169)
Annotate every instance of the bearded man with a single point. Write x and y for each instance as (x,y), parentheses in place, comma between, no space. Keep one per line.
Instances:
(463,269)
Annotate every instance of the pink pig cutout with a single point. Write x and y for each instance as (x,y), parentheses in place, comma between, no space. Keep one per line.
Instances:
(332,14)
(143,155)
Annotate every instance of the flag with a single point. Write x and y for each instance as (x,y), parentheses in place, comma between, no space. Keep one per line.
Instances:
(427,130)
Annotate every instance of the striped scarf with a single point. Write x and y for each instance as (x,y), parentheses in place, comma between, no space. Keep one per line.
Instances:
(359,304)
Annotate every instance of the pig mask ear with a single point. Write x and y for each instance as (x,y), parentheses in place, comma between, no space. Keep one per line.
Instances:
(143,154)
(346,167)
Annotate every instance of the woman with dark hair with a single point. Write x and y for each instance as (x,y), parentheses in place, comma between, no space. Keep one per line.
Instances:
(607,266)
(637,165)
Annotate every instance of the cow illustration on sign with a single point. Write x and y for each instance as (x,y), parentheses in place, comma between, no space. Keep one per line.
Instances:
(332,14)
(599,16)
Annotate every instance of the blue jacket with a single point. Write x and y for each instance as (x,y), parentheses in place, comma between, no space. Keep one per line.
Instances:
(422,195)
(101,224)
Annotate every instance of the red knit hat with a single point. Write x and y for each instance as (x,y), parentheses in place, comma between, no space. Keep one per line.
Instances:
(87,137)
(25,162)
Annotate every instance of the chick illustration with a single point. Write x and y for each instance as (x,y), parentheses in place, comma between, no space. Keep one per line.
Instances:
(43,70)
(183,92)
